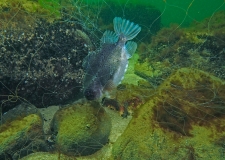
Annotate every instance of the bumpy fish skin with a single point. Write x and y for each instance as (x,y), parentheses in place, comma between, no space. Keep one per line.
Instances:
(105,68)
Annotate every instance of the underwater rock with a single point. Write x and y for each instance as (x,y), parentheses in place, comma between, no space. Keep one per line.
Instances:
(48,114)
(22,110)
(81,129)
(21,132)
(199,46)
(185,119)
(149,73)
(43,64)
(191,96)
(46,156)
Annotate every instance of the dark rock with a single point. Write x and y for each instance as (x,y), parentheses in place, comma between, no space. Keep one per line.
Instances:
(42,65)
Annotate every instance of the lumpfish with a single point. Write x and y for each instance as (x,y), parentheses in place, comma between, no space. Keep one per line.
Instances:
(106,67)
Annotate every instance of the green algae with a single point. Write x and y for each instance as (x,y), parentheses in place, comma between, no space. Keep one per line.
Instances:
(10,132)
(171,126)
(47,156)
(15,11)
(81,129)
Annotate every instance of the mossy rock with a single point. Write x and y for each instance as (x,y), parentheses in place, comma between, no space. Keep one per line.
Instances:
(184,120)
(147,71)
(82,129)
(27,12)
(47,156)
(17,135)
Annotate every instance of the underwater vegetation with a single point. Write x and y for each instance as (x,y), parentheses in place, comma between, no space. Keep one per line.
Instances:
(199,46)
(184,119)
(22,12)
(173,104)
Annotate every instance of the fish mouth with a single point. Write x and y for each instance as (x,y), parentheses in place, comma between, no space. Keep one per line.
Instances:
(91,94)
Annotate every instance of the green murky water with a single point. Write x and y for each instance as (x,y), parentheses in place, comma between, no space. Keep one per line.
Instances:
(170,104)
(174,11)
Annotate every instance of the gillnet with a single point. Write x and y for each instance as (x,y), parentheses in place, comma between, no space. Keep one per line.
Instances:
(173,90)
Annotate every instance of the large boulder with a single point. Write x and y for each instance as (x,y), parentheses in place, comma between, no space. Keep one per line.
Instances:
(41,60)
(183,120)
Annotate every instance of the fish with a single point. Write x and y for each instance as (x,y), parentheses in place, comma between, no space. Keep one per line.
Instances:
(105,67)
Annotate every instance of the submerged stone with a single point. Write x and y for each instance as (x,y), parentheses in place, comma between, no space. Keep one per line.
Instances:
(81,129)
(47,156)
(21,132)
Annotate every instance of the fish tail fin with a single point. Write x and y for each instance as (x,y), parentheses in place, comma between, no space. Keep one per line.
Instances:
(126,28)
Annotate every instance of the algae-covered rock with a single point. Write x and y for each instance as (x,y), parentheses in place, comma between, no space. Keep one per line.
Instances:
(184,120)
(51,67)
(147,71)
(49,10)
(20,133)
(81,129)
(47,156)
(199,46)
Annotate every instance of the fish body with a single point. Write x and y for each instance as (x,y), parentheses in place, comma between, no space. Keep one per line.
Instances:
(106,67)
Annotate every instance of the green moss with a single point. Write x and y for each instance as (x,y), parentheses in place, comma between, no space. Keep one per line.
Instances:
(187,78)
(11,131)
(49,10)
(175,47)
(74,119)
(52,6)
(147,70)
(47,156)
(80,127)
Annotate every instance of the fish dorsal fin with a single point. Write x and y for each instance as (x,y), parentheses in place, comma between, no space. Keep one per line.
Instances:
(88,59)
(131,48)
(126,28)
(109,37)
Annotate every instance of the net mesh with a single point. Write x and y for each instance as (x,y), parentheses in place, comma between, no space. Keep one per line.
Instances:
(43,43)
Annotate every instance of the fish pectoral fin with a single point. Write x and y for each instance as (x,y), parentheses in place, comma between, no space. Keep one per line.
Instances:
(110,90)
(131,48)
(109,37)
(110,94)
